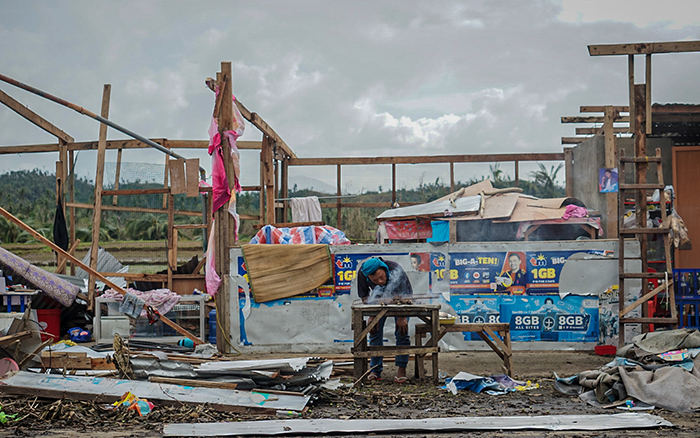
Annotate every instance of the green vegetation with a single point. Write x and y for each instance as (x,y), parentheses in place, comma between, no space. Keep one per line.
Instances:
(30,195)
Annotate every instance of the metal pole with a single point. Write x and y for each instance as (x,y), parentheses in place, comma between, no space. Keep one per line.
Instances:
(92,115)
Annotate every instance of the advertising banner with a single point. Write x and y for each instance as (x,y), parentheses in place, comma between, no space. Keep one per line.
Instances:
(507,273)
(549,318)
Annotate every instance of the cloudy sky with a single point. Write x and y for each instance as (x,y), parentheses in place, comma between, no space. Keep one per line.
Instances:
(336,78)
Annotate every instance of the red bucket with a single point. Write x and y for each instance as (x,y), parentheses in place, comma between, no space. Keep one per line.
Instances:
(50,322)
(605,350)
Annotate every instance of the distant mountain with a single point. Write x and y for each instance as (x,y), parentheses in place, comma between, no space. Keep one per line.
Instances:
(306,183)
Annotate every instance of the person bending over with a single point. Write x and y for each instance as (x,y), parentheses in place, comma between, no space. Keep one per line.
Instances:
(383,282)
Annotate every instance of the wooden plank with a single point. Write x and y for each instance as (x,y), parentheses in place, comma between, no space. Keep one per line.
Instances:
(122,144)
(190,226)
(641,186)
(506,350)
(34,117)
(573,140)
(490,343)
(193,382)
(596,131)
(647,93)
(62,264)
(136,209)
(9,339)
(289,224)
(223,218)
(485,158)
(178,182)
(192,177)
(643,48)
(569,171)
(99,176)
(339,209)
(88,269)
(71,190)
(361,337)
(101,363)
(591,119)
(68,362)
(259,123)
(649,320)
(600,109)
(630,83)
(610,162)
(646,297)
(165,181)
(116,174)
(394,351)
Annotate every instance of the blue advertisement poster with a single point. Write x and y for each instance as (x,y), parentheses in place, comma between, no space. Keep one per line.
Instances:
(543,269)
(507,273)
(476,309)
(549,318)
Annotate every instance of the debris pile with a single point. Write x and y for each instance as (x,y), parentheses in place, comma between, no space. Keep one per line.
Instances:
(658,369)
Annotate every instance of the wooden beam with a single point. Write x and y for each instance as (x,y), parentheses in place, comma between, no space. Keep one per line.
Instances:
(223,219)
(117,174)
(259,123)
(610,162)
(339,207)
(99,176)
(643,48)
(569,171)
(591,119)
(596,131)
(135,209)
(630,82)
(426,159)
(89,270)
(600,109)
(62,263)
(573,140)
(193,382)
(647,92)
(34,117)
(122,144)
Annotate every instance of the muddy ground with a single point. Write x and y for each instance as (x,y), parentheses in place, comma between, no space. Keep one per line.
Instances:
(383,399)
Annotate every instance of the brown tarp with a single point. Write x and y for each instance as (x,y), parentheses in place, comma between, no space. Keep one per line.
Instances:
(282,271)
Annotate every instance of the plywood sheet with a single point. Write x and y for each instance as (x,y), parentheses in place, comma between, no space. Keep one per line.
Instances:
(527,209)
(192,171)
(177,176)
(496,207)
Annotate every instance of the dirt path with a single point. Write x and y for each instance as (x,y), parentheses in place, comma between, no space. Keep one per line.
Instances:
(384,399)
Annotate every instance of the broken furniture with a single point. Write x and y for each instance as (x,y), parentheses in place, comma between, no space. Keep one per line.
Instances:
(189,312)
(428,313)
(488,332)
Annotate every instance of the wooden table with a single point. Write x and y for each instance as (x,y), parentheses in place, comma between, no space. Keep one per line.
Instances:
(428,313)
(487,332)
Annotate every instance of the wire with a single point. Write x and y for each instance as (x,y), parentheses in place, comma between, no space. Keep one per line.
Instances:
(219,326)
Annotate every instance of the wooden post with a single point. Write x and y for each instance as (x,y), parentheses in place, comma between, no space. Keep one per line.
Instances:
(261,207)
(72,209)
(165,181)
(640,151)
(568,171)
(284,189)
(60,182)
(393,184)
(223,220)
(339,208)
(630,74)
(278,212)
(99,175)
(268,165)
(610,162)
(517,173)
(172,238)
(452,176)
(117,173)
(647,94)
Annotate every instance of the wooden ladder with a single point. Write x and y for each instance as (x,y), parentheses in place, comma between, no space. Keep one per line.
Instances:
(641,231)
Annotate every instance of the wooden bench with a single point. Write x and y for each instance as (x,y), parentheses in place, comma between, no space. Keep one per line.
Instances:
(487,332)
(428,313)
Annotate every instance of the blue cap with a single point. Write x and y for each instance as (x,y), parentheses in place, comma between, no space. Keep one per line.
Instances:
(370,266)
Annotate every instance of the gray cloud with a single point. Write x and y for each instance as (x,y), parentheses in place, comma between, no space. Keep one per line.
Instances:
(335,78)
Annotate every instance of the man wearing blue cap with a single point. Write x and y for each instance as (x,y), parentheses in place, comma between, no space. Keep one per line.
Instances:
(383,282)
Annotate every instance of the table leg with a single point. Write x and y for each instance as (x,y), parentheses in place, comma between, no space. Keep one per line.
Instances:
(359,363)
(508,358)
(434,337)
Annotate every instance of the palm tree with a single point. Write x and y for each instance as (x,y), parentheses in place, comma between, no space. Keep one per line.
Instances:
(544,180)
